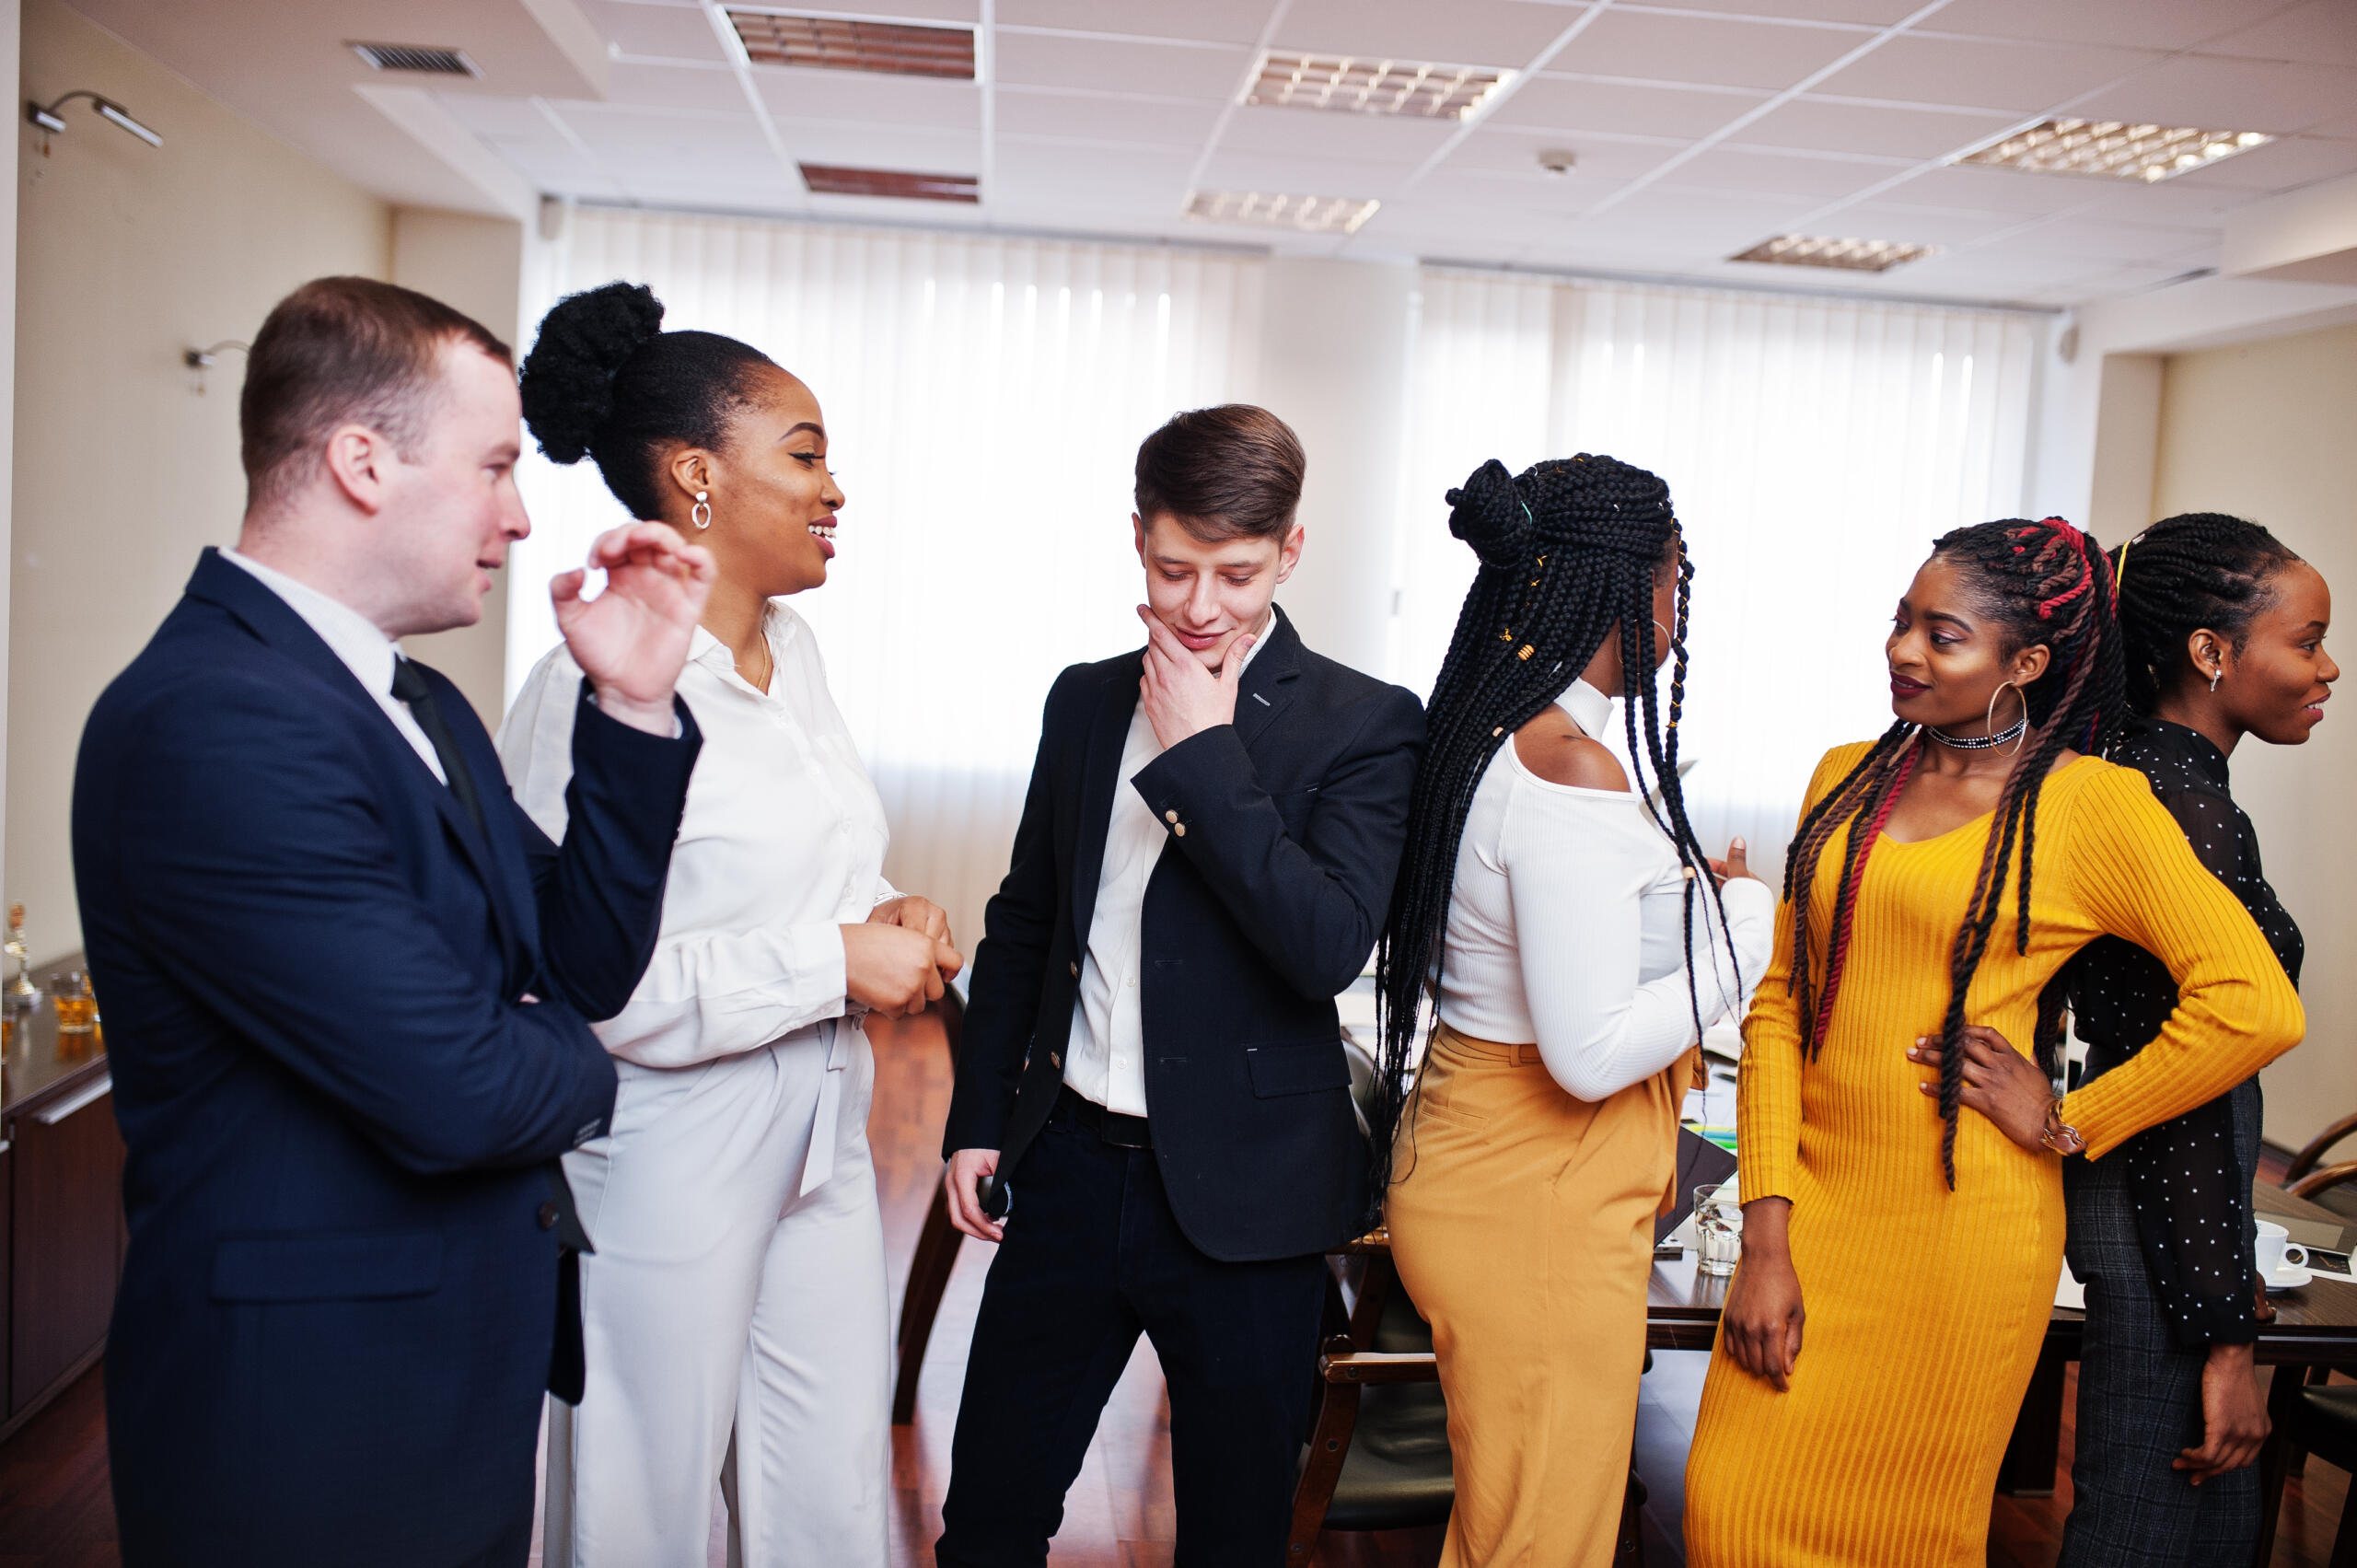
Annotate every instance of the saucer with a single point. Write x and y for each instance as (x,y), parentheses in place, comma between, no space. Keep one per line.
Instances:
(2288,1278)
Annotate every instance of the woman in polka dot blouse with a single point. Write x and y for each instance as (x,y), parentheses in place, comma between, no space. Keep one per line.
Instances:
(2225,632)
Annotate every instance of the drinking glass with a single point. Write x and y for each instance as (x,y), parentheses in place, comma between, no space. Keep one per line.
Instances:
(1718,1230)
(77,1009)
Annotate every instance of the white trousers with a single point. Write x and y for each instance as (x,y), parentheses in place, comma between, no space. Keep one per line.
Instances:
(724,1302)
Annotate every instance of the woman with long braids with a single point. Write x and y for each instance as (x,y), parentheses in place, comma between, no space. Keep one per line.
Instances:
(1559,919)
(1900,1257)
(2224,630)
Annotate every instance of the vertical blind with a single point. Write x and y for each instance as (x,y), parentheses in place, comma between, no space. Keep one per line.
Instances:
(1813,449)
(983,397)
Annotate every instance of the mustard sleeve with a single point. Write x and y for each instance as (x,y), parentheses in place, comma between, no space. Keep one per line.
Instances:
(1768,1083)
(2131,873)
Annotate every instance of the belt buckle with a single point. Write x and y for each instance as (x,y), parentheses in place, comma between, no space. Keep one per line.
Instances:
(1115,1129)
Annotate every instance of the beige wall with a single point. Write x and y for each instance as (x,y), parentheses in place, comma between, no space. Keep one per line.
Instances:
(2268,431)
(127,254)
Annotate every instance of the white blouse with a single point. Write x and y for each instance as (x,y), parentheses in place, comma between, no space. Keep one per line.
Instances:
(782,845)
(1565,926)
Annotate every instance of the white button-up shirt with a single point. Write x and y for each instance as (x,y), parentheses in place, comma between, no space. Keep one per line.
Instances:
(354,638)
(1105,1059)
(781,846)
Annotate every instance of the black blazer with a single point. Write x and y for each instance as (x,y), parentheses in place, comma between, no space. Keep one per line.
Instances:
(339,1094)
(1256,917)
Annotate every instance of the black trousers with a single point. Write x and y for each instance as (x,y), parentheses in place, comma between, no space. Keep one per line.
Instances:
(1093,1257)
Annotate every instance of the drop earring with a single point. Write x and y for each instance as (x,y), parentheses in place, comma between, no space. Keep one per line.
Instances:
(700,515)
(2216,676)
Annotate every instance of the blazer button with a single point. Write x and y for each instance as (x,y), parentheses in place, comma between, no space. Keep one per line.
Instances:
(1180,828)
(1170,816)
(1075,971)
(548,1216)
(1056,1062)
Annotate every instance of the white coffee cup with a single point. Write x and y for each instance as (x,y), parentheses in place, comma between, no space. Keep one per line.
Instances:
(2277,1250)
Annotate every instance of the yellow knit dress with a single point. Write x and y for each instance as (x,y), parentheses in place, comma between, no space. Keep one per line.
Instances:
(1926,1308)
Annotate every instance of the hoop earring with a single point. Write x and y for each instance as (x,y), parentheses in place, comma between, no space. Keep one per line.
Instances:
(701,513)
(1989,724)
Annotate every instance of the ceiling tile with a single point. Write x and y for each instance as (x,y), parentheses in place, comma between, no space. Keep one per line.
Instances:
(1036,111)
(1219,21)
(1734,168)
(487,116)
(1918,226)
(2278,165)
(1977,189)
(2149,24)
(1171,70)
(1301,176)
(2218,94)
(1817,125)
(669,32)
(673,86)
(1468,32)
(1558,103)
(2171,202)
(868,97)
(604,125)
(1710,49)
(1862,13)
(2322,32)
(2113,241)
(1718,223)
(1501,149)
(884,147)
(1302,132)
(2021,77)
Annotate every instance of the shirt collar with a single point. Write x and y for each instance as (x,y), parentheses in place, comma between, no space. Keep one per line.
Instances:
(1589,708)
(350,635)
(2195,749)
(777,623)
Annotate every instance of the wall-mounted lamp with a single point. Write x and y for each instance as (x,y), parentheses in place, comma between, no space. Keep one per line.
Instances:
(48,119)
(199,359)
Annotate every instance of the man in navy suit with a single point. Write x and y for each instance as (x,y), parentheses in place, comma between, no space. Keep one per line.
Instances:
(1153,1110)
(348,983)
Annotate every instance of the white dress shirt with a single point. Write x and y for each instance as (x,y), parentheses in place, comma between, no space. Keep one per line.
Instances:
(782,845)
(1566,927)
(1105,1059)
(355,639)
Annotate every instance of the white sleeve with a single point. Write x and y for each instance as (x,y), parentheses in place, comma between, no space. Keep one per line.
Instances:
(705,993)
(1576,886)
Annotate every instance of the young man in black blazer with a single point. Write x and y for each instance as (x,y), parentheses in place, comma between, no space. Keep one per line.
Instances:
(1153,1111)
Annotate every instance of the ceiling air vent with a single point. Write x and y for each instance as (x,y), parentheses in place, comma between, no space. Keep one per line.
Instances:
(842,44)
(425,57)
(1847,255)
(833,180)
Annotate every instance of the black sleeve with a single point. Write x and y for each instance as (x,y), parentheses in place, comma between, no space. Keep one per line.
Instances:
(1313,906)
(1003,997)
(2189,1185)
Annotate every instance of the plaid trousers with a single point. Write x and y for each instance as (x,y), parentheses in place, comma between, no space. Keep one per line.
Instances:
(2140,1396)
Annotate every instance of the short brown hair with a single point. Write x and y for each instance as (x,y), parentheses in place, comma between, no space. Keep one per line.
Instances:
(342,351)
(1232,471)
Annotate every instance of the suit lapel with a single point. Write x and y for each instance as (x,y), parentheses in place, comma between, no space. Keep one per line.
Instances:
(1269,680)
(1108,732)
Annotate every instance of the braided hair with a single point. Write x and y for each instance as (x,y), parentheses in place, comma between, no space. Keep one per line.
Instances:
(604,380)
(2043,582)
(1569,550)
(2195,570)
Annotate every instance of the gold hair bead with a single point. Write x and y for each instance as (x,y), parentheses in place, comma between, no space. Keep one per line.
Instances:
(1505,634)
(1527,651)
(1497,731)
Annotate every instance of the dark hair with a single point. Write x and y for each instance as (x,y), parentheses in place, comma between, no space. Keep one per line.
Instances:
(2194,569)
(342,351)
(1228,472)
(2043,582)
(604,380)
(1569,550)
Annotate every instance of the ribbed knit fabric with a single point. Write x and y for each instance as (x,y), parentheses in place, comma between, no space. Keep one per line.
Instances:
(1926,1308)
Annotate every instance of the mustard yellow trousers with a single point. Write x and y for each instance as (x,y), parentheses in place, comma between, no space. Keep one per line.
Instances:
(1522,1222)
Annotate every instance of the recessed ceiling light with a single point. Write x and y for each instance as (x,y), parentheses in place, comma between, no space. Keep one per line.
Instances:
(1312,214)
(2115,149)
(842,44)
(1357,85)
(834,180)
(432,59)
(1849,255)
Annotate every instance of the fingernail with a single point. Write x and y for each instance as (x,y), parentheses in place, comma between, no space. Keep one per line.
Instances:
(1739,843)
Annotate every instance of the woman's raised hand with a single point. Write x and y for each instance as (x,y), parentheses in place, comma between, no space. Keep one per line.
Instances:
(1999,1082)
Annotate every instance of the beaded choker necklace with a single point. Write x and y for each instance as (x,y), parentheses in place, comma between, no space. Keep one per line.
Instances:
(1979,742)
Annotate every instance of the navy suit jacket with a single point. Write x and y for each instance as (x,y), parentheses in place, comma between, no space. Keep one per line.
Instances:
(348,1031)
(1255,919)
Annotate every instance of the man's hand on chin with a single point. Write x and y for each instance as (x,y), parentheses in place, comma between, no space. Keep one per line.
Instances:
(633,640)
(1180,697)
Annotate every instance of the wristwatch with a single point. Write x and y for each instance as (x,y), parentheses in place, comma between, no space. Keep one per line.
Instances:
(2059,1134)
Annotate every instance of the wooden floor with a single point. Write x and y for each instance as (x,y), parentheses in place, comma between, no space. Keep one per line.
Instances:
(54,1511)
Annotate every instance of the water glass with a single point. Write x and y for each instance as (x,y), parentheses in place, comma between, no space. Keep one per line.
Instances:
(1718,1230)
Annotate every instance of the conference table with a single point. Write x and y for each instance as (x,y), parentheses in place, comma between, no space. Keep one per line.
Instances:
(2314,1326)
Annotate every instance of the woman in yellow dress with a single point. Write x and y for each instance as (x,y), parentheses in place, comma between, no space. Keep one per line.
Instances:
(1899,1255)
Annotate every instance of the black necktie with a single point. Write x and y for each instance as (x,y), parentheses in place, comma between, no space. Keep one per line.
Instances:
(411,688)
(560,1213)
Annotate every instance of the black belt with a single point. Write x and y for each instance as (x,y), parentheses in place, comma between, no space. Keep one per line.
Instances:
(1121,1132)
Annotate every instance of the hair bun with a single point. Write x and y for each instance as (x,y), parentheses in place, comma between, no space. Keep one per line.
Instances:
(1487,512)
(568,378)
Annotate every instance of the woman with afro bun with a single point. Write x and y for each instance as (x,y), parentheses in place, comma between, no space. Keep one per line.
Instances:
(734,1310)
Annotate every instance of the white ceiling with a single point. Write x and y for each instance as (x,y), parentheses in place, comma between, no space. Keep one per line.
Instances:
(1700,130)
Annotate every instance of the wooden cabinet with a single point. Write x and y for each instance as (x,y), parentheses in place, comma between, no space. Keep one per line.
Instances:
(66,1240)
